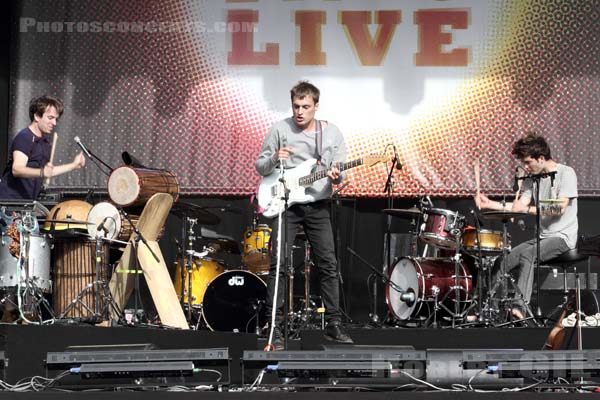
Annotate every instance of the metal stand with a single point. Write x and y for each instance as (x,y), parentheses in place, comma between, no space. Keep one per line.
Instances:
(138,313)
(505,279)
(104,300)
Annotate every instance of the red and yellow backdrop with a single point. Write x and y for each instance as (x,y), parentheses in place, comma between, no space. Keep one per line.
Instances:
(192,86)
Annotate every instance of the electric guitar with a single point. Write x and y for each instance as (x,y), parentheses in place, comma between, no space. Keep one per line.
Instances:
(271,191)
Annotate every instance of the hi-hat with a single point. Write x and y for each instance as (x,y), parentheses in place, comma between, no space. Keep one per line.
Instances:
(412,212)
(504,215)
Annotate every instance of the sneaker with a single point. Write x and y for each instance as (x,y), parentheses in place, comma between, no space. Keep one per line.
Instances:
(334,333)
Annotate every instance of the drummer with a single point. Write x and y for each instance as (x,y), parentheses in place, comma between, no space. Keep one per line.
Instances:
(28,159)
(558,226)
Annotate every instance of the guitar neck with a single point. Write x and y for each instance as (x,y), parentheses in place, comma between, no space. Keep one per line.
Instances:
(315,176)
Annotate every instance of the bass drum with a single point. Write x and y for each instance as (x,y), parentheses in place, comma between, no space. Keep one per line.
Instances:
(233,301)
(204,271)
(427,278)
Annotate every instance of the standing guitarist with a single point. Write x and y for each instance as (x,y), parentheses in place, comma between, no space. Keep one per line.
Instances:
(289,142)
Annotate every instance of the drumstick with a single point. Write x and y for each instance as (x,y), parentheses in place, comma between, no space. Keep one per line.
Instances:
(519,184)
(54,140)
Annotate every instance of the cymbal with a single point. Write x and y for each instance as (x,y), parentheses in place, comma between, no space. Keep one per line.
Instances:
(504,215)
(412,212)
(224,244)
(204,217)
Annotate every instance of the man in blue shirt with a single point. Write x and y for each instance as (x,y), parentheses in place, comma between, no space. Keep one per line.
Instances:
(29,155)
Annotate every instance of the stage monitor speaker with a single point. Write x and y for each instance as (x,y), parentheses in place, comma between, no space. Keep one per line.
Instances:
(344,367)
(507,368)
(118,366)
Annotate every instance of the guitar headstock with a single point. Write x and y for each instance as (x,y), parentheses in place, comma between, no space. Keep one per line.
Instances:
(374,159)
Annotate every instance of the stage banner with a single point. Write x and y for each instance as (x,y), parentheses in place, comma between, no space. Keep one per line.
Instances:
(193,86)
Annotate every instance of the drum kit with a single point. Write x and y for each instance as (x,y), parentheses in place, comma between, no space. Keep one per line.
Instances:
(423,289)
(215,295)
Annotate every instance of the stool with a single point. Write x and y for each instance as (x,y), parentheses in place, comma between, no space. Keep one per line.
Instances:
(565,261)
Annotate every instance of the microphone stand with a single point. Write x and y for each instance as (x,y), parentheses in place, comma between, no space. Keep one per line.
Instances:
(135,243)
(338,245)
(536,194)
(94,156)
(410,296)
(389,190)
(286,257)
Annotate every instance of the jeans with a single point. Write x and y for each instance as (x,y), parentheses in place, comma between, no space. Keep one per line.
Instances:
(520,261)
(314,218)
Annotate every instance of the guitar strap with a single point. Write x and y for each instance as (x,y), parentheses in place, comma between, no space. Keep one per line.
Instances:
(319,141)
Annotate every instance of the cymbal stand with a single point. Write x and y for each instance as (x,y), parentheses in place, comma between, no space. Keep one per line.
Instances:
(483,269)
(188,270)
(456,313)
(506,279)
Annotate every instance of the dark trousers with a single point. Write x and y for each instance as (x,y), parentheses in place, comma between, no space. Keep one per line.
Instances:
(314,218)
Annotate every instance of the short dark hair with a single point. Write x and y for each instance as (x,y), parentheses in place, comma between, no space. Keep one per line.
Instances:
(39,105)
(303,89)
(532,145)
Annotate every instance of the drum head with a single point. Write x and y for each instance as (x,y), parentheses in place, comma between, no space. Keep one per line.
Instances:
(404,276)
(108,216)
(123,186)
(232,302)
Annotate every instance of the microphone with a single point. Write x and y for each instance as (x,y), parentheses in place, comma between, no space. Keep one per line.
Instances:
(131,161)
(78,141)
(408,297)
(101,227)
(90,194)
(516,183)
(397,159)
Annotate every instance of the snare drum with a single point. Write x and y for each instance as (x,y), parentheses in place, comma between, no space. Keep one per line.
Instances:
(491,241)
(427,278)
(129,186)
(441,227)
(74,269)
(257,257)
(204,270)
(233,301)
(38,270)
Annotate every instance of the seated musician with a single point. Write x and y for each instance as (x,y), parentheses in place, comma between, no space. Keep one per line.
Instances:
(558,212)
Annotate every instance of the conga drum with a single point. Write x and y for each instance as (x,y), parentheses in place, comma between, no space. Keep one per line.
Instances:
(128,186)
(75,269)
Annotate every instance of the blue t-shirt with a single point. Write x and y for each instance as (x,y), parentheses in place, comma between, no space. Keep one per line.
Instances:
(37,149)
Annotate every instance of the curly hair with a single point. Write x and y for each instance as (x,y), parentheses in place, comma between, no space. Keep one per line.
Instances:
(532,145)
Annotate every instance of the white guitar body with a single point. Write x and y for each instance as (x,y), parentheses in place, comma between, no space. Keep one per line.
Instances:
(271,192)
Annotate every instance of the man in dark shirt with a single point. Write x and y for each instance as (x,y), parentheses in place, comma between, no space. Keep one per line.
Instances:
(28,159)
